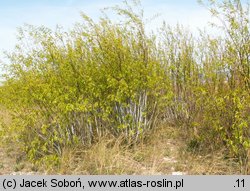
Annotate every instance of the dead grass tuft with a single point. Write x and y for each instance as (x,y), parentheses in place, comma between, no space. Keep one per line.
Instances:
(163,151)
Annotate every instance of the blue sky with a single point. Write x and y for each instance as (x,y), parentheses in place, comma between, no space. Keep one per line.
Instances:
(14,13)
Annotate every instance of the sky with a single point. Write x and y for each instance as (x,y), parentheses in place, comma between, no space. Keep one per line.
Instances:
(14,13)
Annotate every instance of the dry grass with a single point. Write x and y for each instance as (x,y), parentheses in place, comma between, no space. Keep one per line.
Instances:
(163,151)
(108,156)
(208,164)
(111,156)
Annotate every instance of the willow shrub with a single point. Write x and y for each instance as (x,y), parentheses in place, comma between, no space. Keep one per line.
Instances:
(210,80)
(178,50)
(223,91)
(68,88)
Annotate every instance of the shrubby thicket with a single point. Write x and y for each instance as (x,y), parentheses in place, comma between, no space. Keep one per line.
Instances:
(71,88)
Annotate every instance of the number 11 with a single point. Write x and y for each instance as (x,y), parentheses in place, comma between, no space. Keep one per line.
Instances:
(240,183)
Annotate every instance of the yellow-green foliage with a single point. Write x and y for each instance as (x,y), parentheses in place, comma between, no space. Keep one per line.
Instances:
(69,88)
